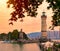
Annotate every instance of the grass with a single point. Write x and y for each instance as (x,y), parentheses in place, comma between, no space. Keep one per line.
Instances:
(49,49)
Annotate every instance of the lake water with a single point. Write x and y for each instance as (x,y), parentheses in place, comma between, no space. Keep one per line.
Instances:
(16,47)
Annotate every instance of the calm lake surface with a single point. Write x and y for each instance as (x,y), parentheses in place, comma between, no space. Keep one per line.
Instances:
(16,47)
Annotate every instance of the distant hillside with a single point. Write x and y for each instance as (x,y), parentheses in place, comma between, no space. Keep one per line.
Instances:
(34,34)
(51,34)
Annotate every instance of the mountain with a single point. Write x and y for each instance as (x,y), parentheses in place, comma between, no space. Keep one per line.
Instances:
(34,34)
(50,34)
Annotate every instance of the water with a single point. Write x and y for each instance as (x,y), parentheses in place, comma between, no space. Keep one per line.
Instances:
(16,47)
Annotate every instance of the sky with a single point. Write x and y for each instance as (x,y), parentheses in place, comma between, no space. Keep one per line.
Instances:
(29,24)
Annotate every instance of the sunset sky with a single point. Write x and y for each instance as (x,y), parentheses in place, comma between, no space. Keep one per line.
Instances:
(29,24)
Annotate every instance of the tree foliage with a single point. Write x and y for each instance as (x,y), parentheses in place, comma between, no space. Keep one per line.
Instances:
(55,5)
(3,36)
(15,34)
(9,36)
(23,6)
(30,7)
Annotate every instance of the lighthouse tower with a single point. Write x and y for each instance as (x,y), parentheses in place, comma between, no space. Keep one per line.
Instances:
(43,26)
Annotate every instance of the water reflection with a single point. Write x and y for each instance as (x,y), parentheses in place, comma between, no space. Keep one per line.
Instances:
(31,47)
(16,47)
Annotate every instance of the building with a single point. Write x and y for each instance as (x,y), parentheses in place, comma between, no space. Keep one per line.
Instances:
(22,35)
(43,25)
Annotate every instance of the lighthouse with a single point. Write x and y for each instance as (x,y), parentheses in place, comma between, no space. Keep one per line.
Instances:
(43,26)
